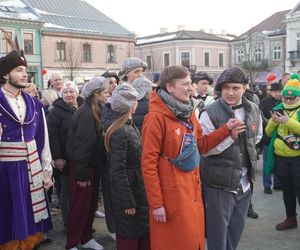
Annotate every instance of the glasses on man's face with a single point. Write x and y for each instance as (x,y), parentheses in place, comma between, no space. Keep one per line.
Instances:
(289,98)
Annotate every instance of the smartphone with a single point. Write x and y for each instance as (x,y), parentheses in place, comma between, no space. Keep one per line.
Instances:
(280,111)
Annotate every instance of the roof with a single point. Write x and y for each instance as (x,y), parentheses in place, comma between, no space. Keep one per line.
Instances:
(179,35)
(77,16)
(17,10)
(272,26)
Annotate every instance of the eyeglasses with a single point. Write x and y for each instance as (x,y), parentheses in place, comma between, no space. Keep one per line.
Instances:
(289,98)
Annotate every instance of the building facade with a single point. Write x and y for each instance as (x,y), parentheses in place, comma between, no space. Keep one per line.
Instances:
(196,50)
(80,41)
(262,49)
(293,39)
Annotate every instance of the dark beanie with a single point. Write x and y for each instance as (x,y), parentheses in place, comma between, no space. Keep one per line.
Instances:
(202,76)
(10,61)
(232,75)
(276,86)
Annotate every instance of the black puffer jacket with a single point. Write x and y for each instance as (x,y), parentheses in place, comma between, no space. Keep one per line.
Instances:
(141,112)
(58,121)
(85,142)
(126,181)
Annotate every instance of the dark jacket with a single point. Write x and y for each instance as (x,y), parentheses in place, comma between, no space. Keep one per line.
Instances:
(266,106)
(141,111)
(126,180)
(85,142)
(58,120)
(224,170)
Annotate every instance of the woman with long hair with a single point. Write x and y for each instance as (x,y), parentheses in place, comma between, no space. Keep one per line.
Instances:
(126,190)
(85,149)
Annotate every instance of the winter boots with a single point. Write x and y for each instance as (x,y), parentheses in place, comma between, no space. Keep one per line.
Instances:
(288,223)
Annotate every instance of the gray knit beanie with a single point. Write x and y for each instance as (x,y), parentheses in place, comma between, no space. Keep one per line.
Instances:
(143,86)
(122,98)
(131,64)
(95,84)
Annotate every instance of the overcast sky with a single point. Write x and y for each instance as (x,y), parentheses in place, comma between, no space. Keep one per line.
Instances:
(148,16)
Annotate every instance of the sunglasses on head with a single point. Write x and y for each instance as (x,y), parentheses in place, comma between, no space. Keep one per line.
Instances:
(289,98)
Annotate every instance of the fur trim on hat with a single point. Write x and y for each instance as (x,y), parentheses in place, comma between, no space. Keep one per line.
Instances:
(12,60)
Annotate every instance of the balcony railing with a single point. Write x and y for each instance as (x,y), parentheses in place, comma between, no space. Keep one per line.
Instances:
(294,55)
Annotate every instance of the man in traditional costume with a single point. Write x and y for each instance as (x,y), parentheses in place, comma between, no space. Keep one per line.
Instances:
(25,169)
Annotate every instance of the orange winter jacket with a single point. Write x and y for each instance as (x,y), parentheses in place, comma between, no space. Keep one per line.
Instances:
(167,186)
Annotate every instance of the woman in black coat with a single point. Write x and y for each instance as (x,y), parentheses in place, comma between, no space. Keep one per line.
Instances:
(59,120)
(85,149)
(127,193)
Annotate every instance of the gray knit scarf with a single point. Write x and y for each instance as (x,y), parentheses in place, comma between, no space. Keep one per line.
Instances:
(181,110)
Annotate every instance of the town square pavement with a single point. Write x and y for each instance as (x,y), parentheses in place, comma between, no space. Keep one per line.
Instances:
(259,234)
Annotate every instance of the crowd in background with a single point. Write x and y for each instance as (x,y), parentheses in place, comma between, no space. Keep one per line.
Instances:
(173,158)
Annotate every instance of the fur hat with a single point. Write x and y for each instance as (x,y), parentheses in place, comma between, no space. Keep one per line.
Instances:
(202,76)
(122,98)
(95,84)
(131,64)
(291,88)
(70,85)
(232,75)
(10,61)
(143,86)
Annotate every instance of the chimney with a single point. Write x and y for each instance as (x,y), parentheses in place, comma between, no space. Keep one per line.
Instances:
(180,27)
(163,30)
(203,30)
(223,32)
(211,31)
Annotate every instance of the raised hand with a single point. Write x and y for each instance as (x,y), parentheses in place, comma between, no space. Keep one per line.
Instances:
(233,122)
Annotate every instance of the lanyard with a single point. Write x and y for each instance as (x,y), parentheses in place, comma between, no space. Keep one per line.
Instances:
(187,125)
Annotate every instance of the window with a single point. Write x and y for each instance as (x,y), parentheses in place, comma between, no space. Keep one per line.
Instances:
(166,59)
(239,55)
(61,51)
(221,60)
(86,52)
(149,62)
(206,59)
(111,57)
(277,51)
(6,48)
(28,43)
(185,59)
(298,41)
(258,53)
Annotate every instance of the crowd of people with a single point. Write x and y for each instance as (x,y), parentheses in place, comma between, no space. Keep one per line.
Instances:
(175,161)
